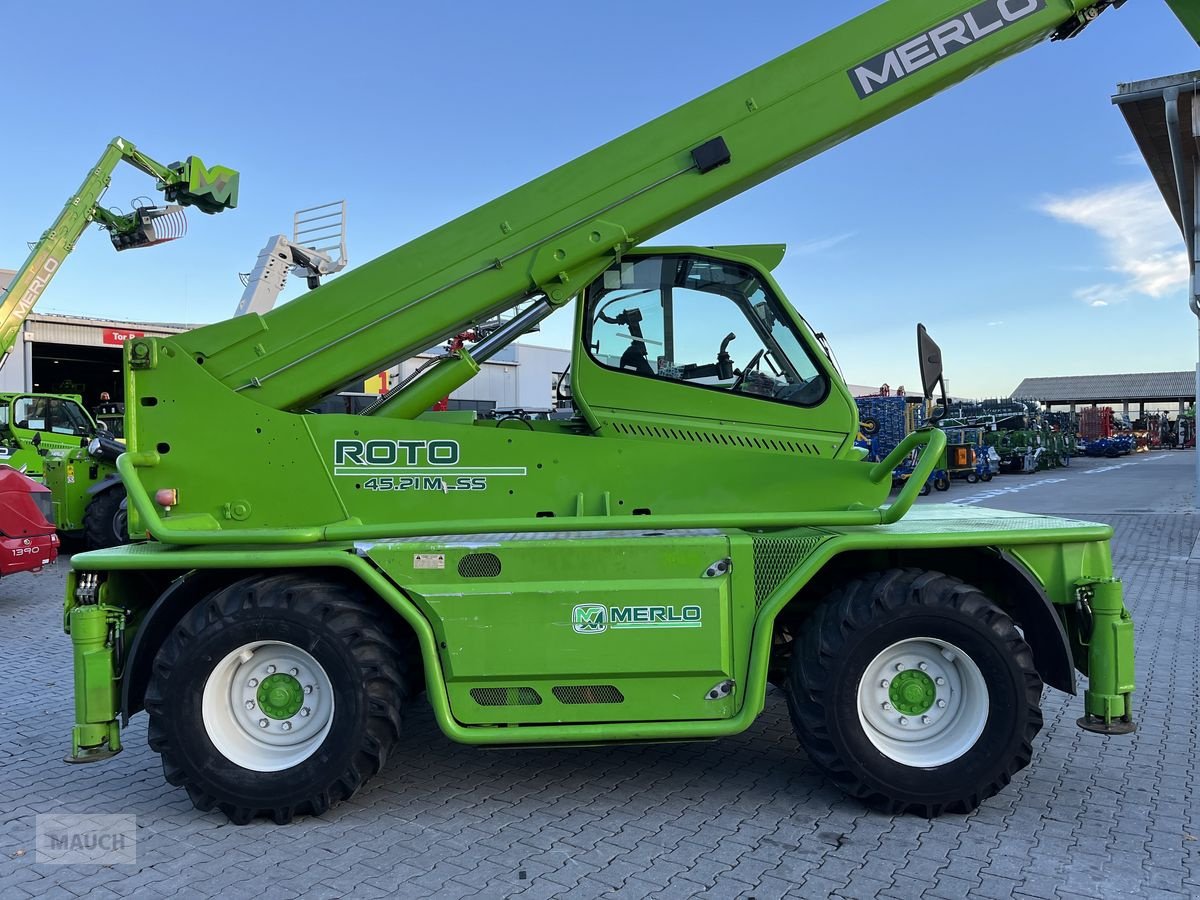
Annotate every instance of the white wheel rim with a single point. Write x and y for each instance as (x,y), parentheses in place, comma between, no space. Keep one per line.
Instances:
(900,726)
(235,719)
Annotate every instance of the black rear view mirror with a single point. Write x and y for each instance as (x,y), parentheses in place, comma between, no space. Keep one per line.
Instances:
(930,357)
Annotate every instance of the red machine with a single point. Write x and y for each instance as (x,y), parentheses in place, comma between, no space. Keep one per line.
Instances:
(1096,423)
(27,537)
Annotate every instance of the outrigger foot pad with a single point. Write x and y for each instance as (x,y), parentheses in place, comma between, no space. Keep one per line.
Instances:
(91,754)
(1097,725)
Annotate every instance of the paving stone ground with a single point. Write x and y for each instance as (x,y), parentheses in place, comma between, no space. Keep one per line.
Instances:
(746,817)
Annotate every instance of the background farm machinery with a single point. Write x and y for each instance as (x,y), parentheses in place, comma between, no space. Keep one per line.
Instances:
(885,420)
(1024,437)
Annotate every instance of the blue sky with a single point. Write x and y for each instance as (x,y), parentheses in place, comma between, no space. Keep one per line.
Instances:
(1009,214)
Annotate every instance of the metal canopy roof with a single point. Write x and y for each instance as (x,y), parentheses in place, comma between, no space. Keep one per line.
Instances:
(1144,105)
(1108,388)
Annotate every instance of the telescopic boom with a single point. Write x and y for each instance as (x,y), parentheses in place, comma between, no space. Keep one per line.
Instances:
(556,233)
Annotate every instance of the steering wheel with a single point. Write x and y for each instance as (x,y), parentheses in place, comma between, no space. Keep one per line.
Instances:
(750,367)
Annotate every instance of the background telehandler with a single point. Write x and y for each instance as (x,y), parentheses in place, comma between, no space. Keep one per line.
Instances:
(42,434)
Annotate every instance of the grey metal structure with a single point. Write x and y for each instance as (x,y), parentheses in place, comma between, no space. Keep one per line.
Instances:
(1164,116)
(1148,387)
(317,248)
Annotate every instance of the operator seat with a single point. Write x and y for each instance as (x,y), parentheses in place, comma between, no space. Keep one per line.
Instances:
(635,358)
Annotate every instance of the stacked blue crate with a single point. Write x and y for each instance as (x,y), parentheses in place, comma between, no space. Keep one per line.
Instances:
(886,421)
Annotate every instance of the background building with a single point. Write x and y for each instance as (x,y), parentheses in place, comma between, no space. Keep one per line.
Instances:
(60,354)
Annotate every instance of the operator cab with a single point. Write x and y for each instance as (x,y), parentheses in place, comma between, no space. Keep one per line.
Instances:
(52,415)
(702,321)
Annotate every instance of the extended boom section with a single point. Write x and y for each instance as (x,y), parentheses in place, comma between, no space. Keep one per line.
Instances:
(189,183)
(558,232)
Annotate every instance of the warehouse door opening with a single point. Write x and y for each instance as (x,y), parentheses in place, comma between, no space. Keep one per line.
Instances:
(69,369)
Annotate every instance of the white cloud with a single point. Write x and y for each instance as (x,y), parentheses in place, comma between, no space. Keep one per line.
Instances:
(1141,241)
(808,248)
(994,324)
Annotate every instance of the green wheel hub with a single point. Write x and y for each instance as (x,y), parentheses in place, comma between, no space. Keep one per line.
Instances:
(912,692)
(280,696)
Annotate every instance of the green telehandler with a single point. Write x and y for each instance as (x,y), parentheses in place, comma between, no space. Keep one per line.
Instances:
(42,434)
(702,528)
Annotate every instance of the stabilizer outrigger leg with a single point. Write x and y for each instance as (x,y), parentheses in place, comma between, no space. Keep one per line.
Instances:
(1107,704)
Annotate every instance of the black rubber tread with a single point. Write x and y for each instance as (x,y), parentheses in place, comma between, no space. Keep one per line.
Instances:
(354,644)
(98,533)
(860,619)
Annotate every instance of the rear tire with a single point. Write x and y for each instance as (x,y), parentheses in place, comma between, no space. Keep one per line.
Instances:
(105,523)
(942,483)
(332,709)
(962,739)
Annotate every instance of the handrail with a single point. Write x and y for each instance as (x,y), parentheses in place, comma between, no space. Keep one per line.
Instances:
(934,441)
(162,530)
(204,529)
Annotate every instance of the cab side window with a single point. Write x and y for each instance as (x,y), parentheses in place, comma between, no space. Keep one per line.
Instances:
(52,414)
(703,322)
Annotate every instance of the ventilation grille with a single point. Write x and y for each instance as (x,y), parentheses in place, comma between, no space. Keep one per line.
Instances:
(775,559)
(512,696)
(588,693)
(479,565)
(716,438)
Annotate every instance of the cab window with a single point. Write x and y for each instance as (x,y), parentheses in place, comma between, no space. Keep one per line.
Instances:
(704,322)
(51,414)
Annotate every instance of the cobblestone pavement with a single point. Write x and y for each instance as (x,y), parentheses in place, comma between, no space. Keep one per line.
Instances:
(744,817)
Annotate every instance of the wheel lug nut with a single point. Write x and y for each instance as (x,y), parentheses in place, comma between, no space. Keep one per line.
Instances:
(305,712)
(286,726)
(924,720)
(903,721)
(295,672)
(249,704)
(270,670)
(883,683)
(262,723)
(941,704)
(939,681)
(887,706)
(308,689)
(253,682)
(899,667)
(924,667)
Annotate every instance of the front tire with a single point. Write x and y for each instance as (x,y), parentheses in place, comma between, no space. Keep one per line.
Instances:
(961,692)
(105,521)
(277,696)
